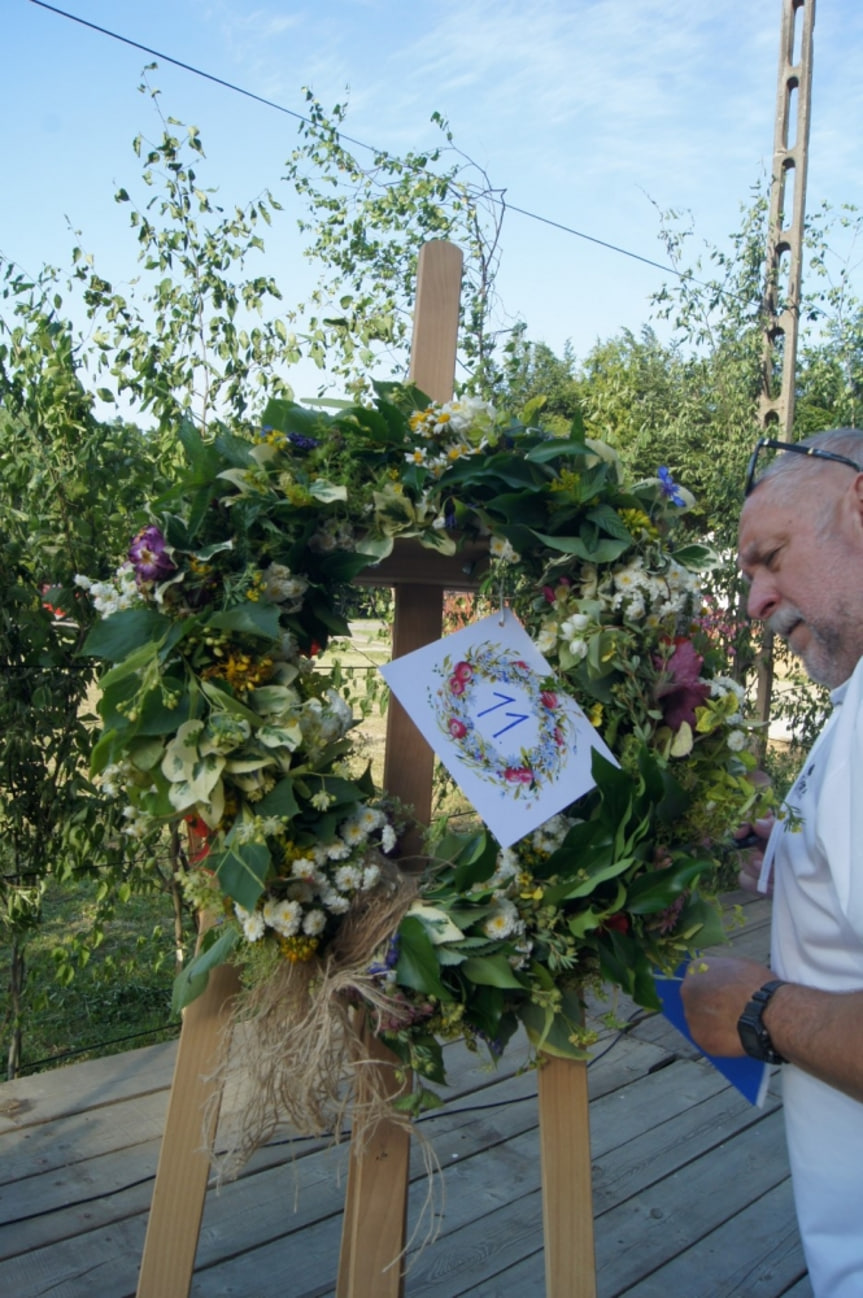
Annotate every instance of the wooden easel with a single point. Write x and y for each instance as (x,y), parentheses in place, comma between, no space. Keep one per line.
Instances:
(376,1198)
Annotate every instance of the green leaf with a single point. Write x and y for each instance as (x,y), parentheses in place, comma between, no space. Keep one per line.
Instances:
(610,521)
(253,619)
(280,801)
(701,920)
(288,417)
(327,492)
(124,633)
(376,548)
(192,980)
(134,662)
(657,889)
(697,557)
(550,1032)
(224,701)
(605,550)
(242,870)
(597,874)
(557,448)
(475,862)
(417,964)
(439,541)
(491,971)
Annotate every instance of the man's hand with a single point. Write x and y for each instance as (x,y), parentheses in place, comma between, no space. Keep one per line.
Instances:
(715,992)
(752,858)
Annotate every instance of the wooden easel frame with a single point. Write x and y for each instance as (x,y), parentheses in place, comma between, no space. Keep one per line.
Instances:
(376,1199)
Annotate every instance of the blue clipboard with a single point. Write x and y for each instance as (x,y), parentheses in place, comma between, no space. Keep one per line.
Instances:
(749,1076)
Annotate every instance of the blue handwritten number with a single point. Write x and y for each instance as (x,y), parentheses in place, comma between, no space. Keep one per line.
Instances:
(504,699)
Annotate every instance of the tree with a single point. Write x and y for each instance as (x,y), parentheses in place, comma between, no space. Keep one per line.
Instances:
(68,487)
(200,336)
(366,225)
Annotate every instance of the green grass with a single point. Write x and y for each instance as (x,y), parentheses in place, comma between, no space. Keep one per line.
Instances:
(84,1000)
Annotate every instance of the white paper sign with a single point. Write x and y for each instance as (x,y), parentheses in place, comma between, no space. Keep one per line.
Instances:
(487,702)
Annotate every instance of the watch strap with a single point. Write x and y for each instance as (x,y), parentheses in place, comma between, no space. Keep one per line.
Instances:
(754,1036)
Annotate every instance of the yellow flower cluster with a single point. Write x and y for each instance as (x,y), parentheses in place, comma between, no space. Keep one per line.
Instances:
(241,671)
(272,437)
(256,588)
(639,525)
(566,480)
(298,949)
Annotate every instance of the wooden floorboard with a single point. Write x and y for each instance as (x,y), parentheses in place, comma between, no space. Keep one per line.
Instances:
(691,1192)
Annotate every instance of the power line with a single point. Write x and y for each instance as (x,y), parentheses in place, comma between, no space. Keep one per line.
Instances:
(280,108)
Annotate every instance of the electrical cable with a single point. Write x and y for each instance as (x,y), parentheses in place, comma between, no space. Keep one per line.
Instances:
(270,103)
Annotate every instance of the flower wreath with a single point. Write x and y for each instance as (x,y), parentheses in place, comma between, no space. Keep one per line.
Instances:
(217,715)
(526,770)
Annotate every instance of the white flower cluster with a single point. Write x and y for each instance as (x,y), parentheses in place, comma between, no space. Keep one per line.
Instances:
(323,721)
(504,920)
(723,687)
(656,596)
(503,550)
(323,882)
(333,534)
(281,586)
(450,432)
(112,596)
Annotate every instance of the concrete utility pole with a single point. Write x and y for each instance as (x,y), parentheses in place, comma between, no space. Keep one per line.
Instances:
(785,236)
(781,307)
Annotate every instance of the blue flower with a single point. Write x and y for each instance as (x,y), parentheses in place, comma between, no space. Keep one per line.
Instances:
(670,489)
(391,958)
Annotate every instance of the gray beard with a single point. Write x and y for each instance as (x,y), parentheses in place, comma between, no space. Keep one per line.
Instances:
(825,659)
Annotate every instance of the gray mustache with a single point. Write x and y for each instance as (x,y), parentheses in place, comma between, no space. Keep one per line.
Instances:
(783,621)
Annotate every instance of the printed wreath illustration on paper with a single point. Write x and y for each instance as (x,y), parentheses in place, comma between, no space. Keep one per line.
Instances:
(518,771)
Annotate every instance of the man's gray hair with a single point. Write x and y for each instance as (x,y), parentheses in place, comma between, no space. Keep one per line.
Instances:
(790,471)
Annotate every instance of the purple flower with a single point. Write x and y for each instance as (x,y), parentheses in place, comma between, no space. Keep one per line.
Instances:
(682,690)
(148,555)
(669,487)
(302,443)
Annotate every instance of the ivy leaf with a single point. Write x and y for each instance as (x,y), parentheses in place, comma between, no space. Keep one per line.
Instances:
(327,492)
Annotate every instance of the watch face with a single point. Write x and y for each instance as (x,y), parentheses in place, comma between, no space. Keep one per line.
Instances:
(750,1034)
(754,1036)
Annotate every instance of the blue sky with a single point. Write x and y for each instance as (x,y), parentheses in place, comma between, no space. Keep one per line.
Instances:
(589,112)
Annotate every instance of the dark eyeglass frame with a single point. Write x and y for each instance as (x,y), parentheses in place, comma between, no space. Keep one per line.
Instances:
(771,444)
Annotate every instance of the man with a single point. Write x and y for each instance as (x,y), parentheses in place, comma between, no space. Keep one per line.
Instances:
(801,551)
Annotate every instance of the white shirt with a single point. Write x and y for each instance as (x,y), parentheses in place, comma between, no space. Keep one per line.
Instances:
(817,940)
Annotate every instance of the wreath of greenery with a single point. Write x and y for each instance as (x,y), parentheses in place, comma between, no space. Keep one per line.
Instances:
(216,713)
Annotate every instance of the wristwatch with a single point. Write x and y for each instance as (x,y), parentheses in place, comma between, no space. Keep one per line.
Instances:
(754,1036)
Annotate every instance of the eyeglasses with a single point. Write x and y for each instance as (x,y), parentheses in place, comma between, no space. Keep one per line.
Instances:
(770,444)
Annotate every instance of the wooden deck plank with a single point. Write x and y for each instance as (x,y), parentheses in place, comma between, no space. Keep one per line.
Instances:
(683,1170)
(42,1097)
(757,1255)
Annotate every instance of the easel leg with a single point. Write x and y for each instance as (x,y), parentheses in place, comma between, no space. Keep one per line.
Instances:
(567,1199)
(374,1228)
(168,1261)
